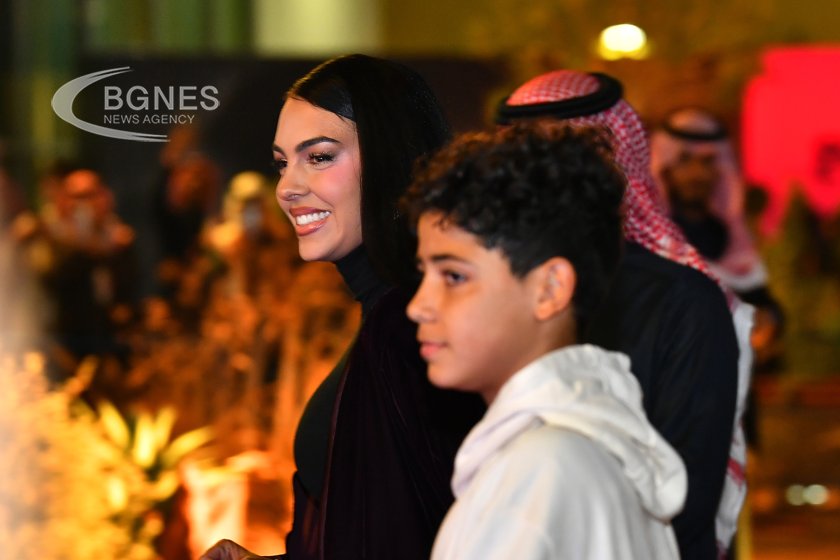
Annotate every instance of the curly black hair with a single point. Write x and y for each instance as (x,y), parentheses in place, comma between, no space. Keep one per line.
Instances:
(534,193)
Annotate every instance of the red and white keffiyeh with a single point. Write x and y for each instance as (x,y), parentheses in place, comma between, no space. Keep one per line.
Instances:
(647,223)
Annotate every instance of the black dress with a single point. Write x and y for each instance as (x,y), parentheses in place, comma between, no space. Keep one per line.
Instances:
(376,444)
(675,325)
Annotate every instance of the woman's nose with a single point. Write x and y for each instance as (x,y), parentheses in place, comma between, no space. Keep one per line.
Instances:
(290,186)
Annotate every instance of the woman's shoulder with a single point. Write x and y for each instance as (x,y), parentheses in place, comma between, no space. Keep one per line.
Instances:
(387,335)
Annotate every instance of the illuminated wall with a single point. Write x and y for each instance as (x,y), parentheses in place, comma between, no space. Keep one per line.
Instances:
(316,27)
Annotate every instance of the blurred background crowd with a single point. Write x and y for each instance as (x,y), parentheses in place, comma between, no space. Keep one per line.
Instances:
(159,331)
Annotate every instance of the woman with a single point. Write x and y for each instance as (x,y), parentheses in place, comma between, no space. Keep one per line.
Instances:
(376,443)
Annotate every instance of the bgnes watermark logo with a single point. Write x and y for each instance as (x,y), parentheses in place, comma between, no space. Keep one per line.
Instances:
(136,105)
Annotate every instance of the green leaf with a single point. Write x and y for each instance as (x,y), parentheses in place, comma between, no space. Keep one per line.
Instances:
(183,444)
(114,424)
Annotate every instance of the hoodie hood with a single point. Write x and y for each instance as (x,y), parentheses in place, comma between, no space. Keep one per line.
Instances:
(591,391)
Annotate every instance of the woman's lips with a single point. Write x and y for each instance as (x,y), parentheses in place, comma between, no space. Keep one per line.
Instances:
(308,220)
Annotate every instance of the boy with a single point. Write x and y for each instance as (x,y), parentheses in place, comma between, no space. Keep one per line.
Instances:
(687,338)
(519,232)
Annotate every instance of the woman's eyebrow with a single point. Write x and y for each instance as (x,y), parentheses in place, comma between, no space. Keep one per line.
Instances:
(312,141)
(307,143)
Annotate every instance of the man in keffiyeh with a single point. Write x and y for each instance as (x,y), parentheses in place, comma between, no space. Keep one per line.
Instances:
(686,335)
(694,164)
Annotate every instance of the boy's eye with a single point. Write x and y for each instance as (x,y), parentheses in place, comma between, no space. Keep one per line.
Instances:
(279,165)
(453,278)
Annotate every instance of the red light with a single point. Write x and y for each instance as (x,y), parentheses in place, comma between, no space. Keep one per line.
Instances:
(791,129)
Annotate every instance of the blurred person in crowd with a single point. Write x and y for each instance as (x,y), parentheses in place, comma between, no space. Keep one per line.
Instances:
(22,303)
(185,201)
(317,322)
(83,255)
(48,193)
(694,164)
(253,242)
(375,446)
(665,311)
(252,252)
(31,250)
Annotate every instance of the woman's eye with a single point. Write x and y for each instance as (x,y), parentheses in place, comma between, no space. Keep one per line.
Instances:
(279,165)
(320,158)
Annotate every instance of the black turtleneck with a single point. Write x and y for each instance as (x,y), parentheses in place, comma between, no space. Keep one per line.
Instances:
(359,275)
(313,433)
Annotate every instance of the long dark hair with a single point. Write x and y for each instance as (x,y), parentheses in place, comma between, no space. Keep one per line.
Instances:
(398,119)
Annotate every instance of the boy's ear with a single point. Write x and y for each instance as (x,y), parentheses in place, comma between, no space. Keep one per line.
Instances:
(555,287)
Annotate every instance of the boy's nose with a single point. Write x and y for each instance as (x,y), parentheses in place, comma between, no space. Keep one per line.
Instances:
(418,309)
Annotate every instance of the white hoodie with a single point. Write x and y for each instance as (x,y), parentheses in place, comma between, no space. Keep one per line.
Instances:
(565,465)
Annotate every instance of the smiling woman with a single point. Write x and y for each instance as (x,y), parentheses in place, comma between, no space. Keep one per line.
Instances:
(317,157)
(376,443)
